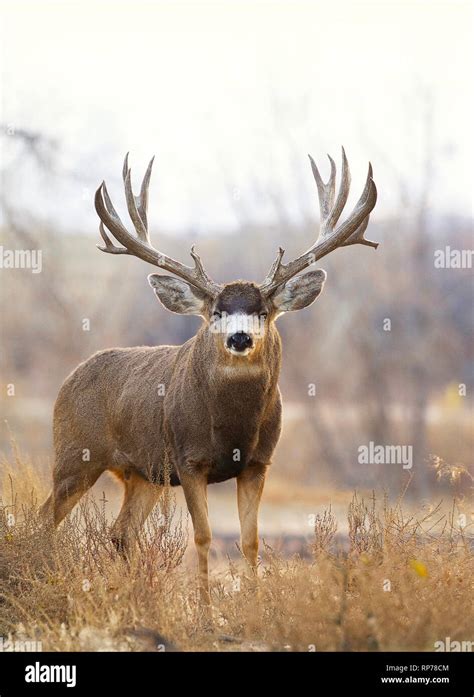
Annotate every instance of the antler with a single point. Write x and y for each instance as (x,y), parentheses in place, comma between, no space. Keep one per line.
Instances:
(140,245)
(351,231)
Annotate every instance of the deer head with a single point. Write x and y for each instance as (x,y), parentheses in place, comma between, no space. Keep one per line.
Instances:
(240,313)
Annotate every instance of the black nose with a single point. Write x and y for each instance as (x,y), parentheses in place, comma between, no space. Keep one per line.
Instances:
(239,341)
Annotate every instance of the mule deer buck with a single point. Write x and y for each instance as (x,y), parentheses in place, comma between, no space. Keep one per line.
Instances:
(219,410)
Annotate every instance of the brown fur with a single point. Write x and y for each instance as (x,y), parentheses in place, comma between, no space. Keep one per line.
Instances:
(219,418)
(220,414)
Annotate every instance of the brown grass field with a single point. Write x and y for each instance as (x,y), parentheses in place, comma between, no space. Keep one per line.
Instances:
(396,581)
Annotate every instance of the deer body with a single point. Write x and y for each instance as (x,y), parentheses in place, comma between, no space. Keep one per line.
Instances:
(200,413)
(217,418)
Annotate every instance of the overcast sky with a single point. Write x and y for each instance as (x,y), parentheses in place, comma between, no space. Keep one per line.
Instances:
(231,96)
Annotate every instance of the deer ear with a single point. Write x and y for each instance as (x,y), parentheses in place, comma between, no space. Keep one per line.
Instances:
(299,292)
(177,295)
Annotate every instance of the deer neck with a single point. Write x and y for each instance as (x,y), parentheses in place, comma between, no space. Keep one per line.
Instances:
(222,374)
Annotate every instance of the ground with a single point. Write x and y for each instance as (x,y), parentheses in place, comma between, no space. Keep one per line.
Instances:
(382,579)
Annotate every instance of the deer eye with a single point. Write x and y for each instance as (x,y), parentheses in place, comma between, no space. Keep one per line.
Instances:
(216,314)
(263,315)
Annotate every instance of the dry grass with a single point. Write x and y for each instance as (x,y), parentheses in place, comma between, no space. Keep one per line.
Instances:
(400,583)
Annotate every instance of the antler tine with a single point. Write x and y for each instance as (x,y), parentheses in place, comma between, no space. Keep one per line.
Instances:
(200,270)
(357,237)
(109,245)
(132,202)
(273,268)
(108,214)
(351,231)
(140,245)
(142,199)
(325,191)
(330,211)
(112,222)
(363,207)
(342,195)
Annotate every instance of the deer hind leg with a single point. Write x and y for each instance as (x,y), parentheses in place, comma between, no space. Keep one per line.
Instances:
(68,489)
(249,492)
(140,498)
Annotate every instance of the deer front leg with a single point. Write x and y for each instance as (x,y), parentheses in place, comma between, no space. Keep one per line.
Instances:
(195,492)
(249,492)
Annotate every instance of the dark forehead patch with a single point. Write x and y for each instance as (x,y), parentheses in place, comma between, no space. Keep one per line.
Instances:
(240,297)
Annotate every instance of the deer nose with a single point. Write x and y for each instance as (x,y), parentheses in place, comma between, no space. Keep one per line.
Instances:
(239,341)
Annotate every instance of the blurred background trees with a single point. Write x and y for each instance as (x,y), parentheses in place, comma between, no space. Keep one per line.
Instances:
(386,346)
(231,104)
